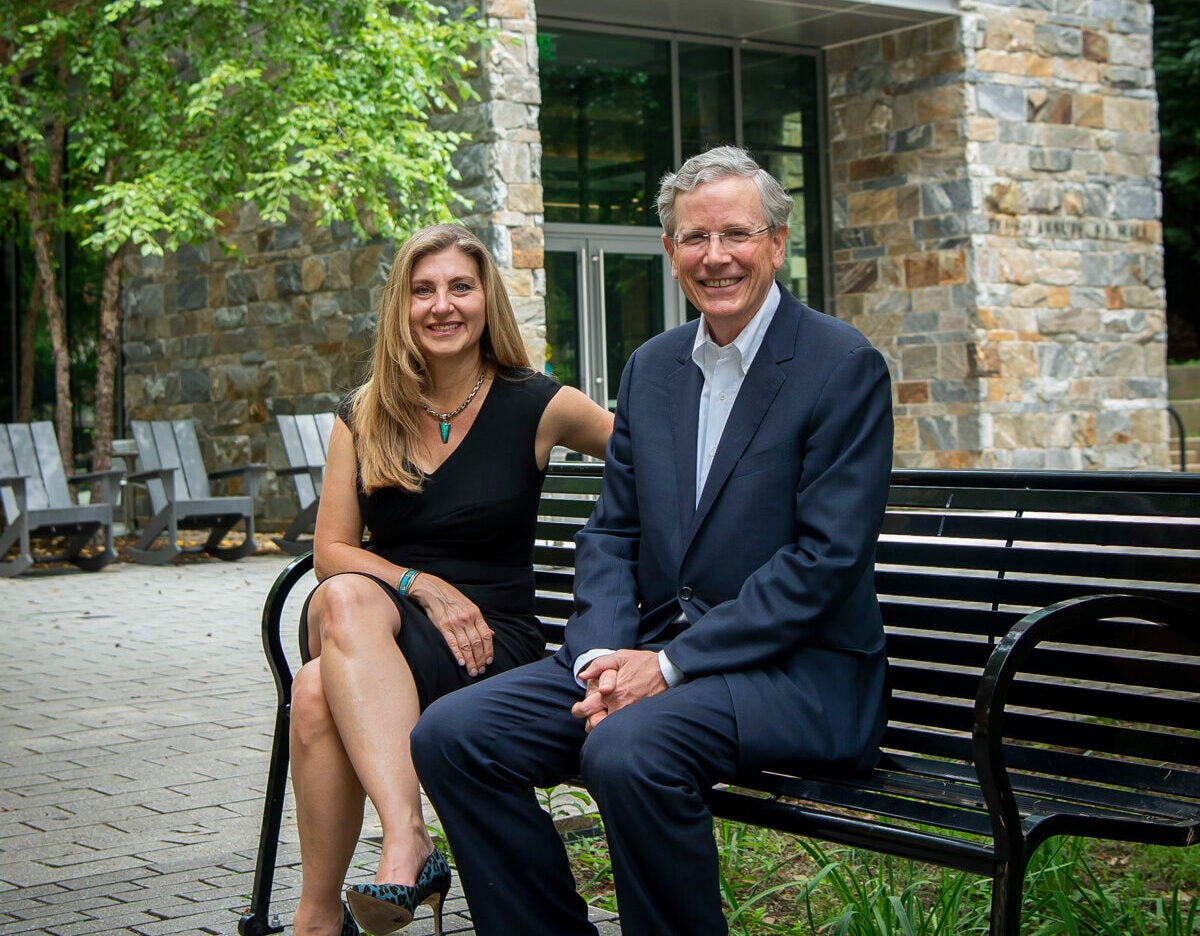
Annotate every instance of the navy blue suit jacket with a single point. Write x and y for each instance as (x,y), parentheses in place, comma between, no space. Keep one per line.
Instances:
(774,568)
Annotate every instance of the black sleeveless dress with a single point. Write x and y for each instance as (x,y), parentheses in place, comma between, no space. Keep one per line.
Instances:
(472,524)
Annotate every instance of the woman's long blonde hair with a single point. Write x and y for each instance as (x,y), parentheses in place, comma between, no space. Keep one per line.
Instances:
(386,409)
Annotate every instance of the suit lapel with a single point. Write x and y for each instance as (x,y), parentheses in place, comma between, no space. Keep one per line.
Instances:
(758,391)
(685,384)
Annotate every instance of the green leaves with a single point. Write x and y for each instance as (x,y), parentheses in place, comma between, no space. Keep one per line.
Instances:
(180,111)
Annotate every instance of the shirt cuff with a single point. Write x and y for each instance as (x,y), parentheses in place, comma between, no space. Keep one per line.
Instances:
(671,673)
(584,659)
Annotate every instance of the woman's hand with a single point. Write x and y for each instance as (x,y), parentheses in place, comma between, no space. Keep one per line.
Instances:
(462,625)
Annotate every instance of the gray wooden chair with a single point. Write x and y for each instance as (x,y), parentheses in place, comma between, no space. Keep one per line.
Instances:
(305,439)
(38,505)
(177,484)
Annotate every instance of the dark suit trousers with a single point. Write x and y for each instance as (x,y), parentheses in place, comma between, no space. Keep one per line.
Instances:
(481,752)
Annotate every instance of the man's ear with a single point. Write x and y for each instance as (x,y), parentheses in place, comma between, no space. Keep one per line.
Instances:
(669,247)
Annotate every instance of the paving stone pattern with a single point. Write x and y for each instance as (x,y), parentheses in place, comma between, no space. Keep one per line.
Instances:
(135,725)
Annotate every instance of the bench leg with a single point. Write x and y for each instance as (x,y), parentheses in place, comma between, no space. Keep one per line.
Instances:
(1007,888)
(258,920)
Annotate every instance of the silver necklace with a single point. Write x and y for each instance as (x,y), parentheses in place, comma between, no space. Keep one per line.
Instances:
(444,418)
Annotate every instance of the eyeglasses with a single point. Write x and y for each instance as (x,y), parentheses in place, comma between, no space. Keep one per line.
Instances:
(696,241)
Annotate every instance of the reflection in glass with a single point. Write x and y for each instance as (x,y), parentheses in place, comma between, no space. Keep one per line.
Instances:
(779,126)
(705,97)
(562,317)
(605,126)
(633,309)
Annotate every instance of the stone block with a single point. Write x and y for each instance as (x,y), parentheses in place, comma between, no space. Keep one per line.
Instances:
(936,433)
(525,199)
(953,195)
(1050,160)
(229,317)
(912,392)
(191,255)
(242,286)
(1002,102)
(288,277)
(1136,199)
(193,386)
(918,362)
(921,271)
(144,301)
(312,274)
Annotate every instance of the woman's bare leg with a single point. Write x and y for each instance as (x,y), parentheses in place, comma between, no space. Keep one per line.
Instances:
(329,806)
(373,702)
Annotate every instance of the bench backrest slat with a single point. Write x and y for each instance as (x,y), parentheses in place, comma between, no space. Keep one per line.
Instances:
(963,556)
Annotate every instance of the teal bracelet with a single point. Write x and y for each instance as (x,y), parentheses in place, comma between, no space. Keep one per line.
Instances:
(406,581)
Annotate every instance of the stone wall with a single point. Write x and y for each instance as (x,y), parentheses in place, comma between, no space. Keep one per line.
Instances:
(996,201)
(229,340)
(285,324)
(501,167)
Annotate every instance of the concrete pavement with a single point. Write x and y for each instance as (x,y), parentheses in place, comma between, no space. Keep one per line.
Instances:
(136,712)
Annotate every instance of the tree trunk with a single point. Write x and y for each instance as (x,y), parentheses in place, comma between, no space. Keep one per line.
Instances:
(40,224)
(28,360)
(106,361)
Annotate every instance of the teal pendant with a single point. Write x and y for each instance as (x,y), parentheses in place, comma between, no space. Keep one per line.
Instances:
(444,426)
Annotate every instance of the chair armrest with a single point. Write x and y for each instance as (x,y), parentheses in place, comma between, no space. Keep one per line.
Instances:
(256,468)
(252,474)
(315,472)
(17,483)
(1005,664)
(298,469)
(152,474)
(110,481)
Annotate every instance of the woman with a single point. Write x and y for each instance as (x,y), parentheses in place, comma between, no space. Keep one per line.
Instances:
(441,454)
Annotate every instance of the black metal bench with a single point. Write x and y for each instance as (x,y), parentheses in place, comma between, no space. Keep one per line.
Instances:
(1044,637)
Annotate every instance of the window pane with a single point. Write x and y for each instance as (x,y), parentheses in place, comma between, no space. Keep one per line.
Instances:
(633,309)
(562,317)
(605,126)
(705,97)
(779,100)
(779,126)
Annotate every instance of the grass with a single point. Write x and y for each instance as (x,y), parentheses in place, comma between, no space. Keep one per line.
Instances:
(778,884)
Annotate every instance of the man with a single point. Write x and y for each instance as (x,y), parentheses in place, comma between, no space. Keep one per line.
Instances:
(725,613)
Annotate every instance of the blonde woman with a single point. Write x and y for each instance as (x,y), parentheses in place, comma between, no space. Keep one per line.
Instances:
(441,455)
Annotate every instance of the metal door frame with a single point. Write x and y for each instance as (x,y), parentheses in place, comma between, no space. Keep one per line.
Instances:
(589,243)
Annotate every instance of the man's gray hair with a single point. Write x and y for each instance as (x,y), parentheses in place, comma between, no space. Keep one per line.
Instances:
(720,162)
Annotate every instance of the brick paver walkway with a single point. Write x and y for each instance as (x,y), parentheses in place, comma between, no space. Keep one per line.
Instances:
(135,723)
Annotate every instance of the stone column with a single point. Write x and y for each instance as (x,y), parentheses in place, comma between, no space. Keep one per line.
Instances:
(501,165)
(996,208)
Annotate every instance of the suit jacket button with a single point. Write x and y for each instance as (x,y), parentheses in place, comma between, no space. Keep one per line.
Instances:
(685,593)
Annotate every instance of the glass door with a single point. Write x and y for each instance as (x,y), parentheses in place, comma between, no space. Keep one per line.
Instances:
(607,291)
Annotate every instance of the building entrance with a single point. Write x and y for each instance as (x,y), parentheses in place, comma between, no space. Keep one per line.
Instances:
(607,291)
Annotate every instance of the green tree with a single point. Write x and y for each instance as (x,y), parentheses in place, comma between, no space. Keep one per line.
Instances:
(169,113)
(1177,74)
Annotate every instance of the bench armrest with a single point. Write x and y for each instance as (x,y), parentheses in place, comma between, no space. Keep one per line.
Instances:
(1006,663)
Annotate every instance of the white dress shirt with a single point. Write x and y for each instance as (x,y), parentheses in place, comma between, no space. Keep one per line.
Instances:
(724,369)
